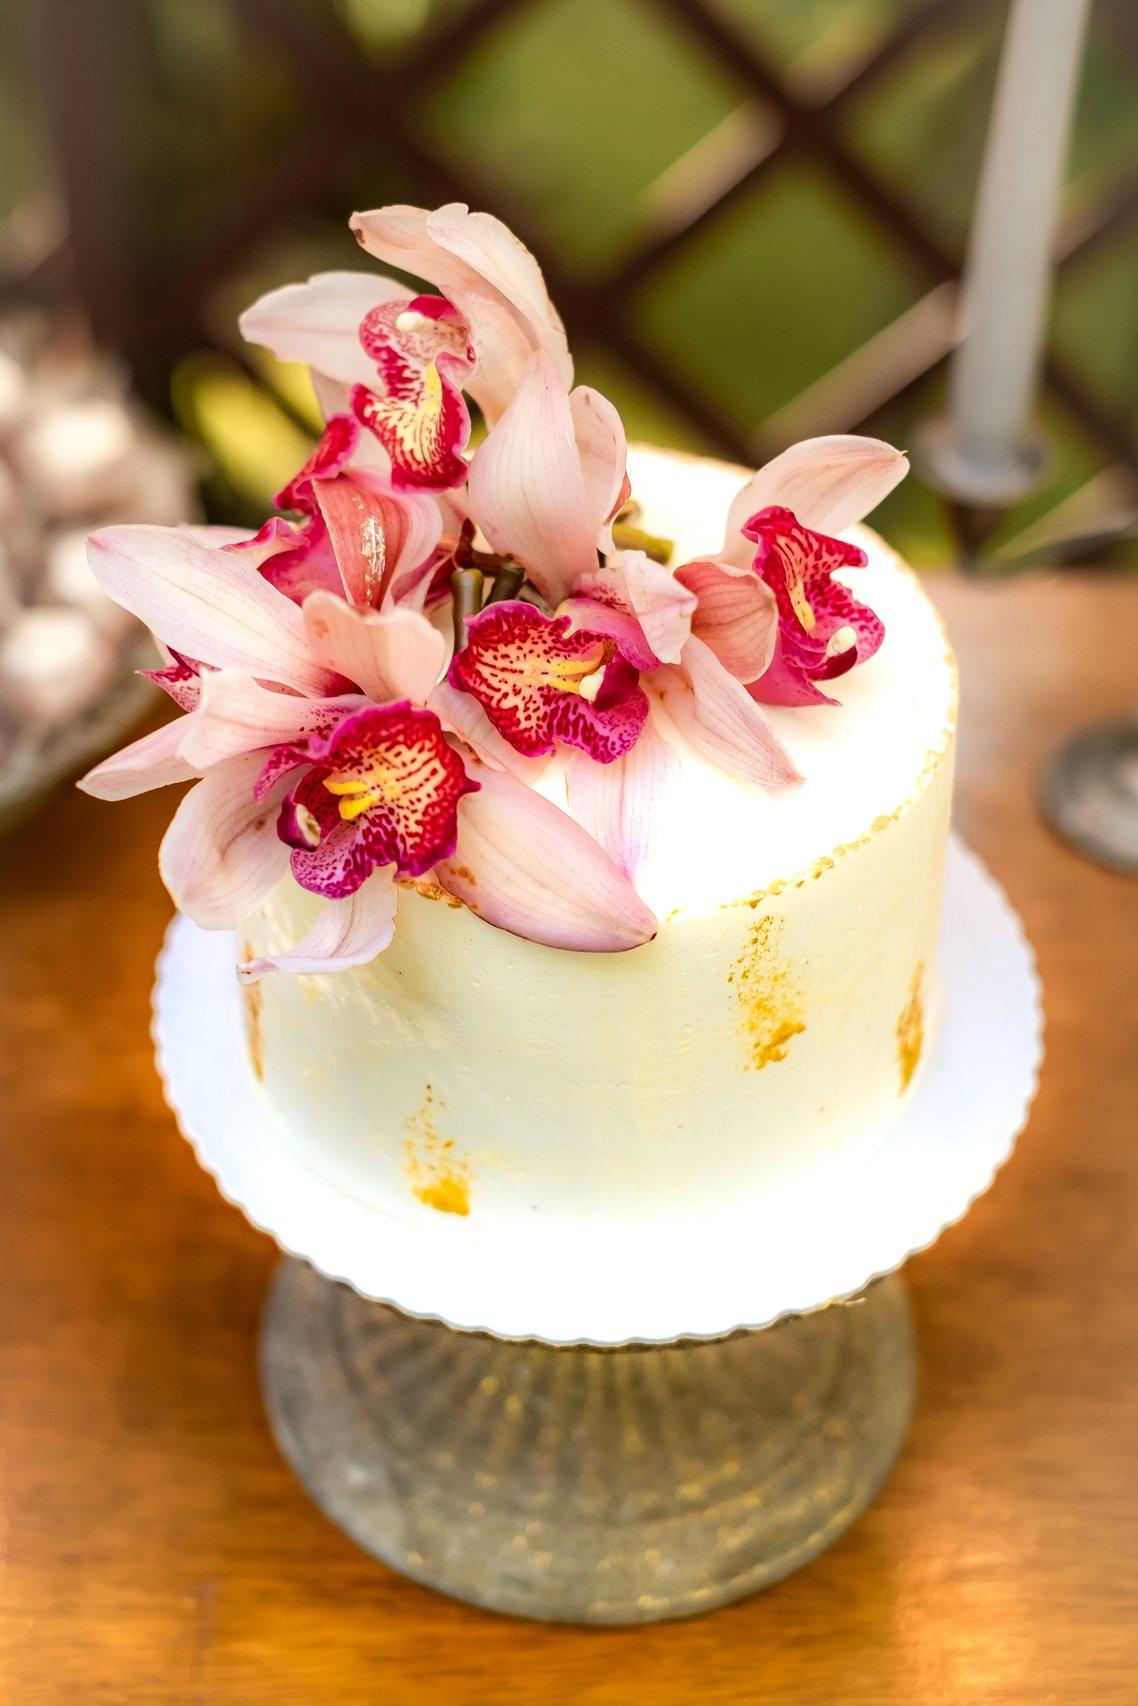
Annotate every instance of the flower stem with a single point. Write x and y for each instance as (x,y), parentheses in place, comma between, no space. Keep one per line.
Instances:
(466,587)
(628,538)
(508,581)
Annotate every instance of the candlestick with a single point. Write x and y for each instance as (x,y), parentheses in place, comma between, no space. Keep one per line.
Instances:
(984,453)
(1089,793)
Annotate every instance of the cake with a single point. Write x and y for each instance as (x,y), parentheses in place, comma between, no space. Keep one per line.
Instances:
(579,811)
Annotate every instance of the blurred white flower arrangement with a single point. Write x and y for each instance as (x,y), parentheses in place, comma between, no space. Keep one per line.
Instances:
(75,452)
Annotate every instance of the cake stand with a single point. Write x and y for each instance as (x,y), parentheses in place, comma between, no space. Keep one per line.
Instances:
(609,1424)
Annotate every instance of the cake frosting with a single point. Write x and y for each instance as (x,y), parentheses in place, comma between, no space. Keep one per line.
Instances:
(579,812)
(781,1010)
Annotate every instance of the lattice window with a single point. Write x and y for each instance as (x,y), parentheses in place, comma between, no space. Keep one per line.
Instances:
(751,215)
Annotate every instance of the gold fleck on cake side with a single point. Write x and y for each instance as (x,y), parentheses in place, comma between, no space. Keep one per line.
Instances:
(767,994)
(911,1030)
(438,1178)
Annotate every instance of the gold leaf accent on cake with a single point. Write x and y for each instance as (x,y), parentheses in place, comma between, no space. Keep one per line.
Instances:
(253,1001)
(911,1030)
(430,891)
(438,1178)
(768,995)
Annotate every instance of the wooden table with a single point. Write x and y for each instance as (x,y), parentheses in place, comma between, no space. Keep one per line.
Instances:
(154,1548)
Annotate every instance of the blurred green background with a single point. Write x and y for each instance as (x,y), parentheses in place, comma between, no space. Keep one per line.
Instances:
(751,212)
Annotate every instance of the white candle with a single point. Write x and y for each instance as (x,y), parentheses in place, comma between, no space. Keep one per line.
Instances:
(996,369)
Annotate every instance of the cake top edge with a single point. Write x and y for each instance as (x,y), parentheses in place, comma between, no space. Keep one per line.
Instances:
(375,686)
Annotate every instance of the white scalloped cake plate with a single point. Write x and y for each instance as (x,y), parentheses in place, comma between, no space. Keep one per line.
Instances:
(823,1234)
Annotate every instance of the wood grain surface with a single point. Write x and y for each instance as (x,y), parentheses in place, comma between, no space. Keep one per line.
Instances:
(154,1548)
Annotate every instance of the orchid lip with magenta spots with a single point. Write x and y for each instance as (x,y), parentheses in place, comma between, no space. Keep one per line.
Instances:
(381,789)
(823,631)
(541,684)
(333,737)
(422,355)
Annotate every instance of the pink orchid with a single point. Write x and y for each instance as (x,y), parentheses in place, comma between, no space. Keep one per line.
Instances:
(382,789)
(402,361)
(402,380)
(492,280)
(746,611)
(540,685)
(823,631)
(326,705)
(549,478)
(369,545)
(328,740)
(823,485)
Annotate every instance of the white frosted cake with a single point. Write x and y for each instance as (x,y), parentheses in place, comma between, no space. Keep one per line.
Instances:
(580,814)
(781,1009)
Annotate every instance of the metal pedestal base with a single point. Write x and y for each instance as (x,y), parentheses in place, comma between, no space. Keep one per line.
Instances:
(586,1485)
(1090,794)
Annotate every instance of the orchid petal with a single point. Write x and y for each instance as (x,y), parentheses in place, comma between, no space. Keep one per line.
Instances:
(615,802)
(180,680)
(829,483)
(389,654)
(721,720)
(273,537)
(499,259)
(218,537)
(524,865)
(501,346)
(235,714)
(330,456)
(152,762)
(527,491)
(221,855)
(318,322)
(205,604)
(823,631)
(661,605)
(616,624)
(737,616)
(785,682)
(345,933)
(603,450)
(301,565)
(463,716)
(380,540)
